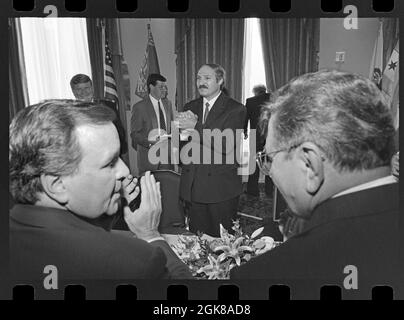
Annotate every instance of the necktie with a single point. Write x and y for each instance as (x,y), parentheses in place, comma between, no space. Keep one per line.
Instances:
(205,116)
(161,116)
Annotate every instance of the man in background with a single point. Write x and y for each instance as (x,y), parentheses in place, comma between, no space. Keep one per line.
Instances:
(67,180)
(254,105)
(212,190)
(330,139)
(82,88)
(149,116)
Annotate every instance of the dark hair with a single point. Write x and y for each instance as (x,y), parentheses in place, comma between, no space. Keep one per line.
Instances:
(43,141)
(219,71)
(79,78)
(342,113)
(153,78)
(260,89)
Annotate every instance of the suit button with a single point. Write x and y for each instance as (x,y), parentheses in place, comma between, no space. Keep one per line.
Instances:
(209,174)
(187,170)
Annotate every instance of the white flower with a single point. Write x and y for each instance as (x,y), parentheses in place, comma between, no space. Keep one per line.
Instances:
(263,244)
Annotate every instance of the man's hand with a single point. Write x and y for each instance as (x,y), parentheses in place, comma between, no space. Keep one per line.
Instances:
(144,221)
(187,120)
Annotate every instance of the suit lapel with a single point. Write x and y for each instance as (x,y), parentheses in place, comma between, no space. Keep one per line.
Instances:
(216,110)
(151,113)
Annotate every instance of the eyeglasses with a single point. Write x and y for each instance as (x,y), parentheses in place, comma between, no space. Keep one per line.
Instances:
(264,160)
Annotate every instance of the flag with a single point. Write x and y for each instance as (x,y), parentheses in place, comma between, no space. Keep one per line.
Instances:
(149,65)
(376,65)
(390,84)
(109,77)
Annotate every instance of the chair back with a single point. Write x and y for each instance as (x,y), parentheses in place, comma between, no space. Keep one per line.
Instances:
(172,220)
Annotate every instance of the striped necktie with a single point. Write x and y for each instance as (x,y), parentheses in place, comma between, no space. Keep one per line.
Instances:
(205,116)
(161,116)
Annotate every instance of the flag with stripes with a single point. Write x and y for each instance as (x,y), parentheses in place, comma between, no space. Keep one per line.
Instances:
(149,65)
(109,77)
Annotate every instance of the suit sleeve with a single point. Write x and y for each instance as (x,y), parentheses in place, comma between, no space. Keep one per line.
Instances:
(176,268)
(138,134)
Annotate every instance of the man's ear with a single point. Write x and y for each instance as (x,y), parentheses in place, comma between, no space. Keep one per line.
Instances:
(55,188)
(312,157)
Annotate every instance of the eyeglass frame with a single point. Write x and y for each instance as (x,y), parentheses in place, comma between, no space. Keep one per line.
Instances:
(261,154)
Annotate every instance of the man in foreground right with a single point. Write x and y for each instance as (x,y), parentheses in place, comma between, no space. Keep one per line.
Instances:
(328,150)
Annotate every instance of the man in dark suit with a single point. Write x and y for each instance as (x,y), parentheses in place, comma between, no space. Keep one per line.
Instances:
(151,120)
(253,106)
(328,150)
(67,180)
(82,88)
(211,187)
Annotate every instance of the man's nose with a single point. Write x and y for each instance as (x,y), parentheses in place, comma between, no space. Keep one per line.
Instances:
(122,169)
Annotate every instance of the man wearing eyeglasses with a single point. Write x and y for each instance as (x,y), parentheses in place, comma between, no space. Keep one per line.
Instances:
(328,150)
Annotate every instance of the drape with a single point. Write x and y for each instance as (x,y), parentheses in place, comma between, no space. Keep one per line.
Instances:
(290,48)
(94,35)
(200,41)
(18,92)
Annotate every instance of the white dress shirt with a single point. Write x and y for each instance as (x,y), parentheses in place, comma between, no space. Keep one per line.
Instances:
(155,102)
(211,103)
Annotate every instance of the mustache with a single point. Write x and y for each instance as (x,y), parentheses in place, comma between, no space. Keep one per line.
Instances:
(202,86)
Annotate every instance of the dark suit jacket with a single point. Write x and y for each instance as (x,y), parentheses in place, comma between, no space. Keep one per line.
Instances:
(41,236)
(359,229)
(118,123)
(254,105)
(144,120)
(212,183)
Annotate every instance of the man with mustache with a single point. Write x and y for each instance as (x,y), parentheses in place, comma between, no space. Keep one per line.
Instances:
(212,189)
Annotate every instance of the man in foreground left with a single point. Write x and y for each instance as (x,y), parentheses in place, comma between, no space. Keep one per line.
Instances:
(67,180)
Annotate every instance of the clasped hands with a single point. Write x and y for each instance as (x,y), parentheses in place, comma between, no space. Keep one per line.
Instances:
(187,120)
(144,221)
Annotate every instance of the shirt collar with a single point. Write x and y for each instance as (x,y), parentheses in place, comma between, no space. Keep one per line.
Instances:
(371,184)
(154,100)
(211,101)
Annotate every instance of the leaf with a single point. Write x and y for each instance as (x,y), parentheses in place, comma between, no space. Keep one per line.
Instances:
(222,248)
(238,242)
(257,232)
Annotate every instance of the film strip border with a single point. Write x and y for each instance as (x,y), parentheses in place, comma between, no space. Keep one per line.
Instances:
(175,292)
(227,291)
(191,8)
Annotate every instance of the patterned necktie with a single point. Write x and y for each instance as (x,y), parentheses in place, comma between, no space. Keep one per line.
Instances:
(161,116)
(205,116)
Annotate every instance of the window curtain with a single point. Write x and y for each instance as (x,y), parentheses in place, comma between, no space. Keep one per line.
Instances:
(18,92)
(290,48)
(94,36)
(200,41)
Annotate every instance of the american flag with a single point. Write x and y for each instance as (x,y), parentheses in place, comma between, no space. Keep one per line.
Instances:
(149,65)
(109,77)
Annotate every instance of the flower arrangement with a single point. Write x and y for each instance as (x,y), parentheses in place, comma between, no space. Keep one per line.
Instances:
(213,258)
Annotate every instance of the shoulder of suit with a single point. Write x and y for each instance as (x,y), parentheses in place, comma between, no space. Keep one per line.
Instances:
(192,103)
(141,103)
(234,103)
